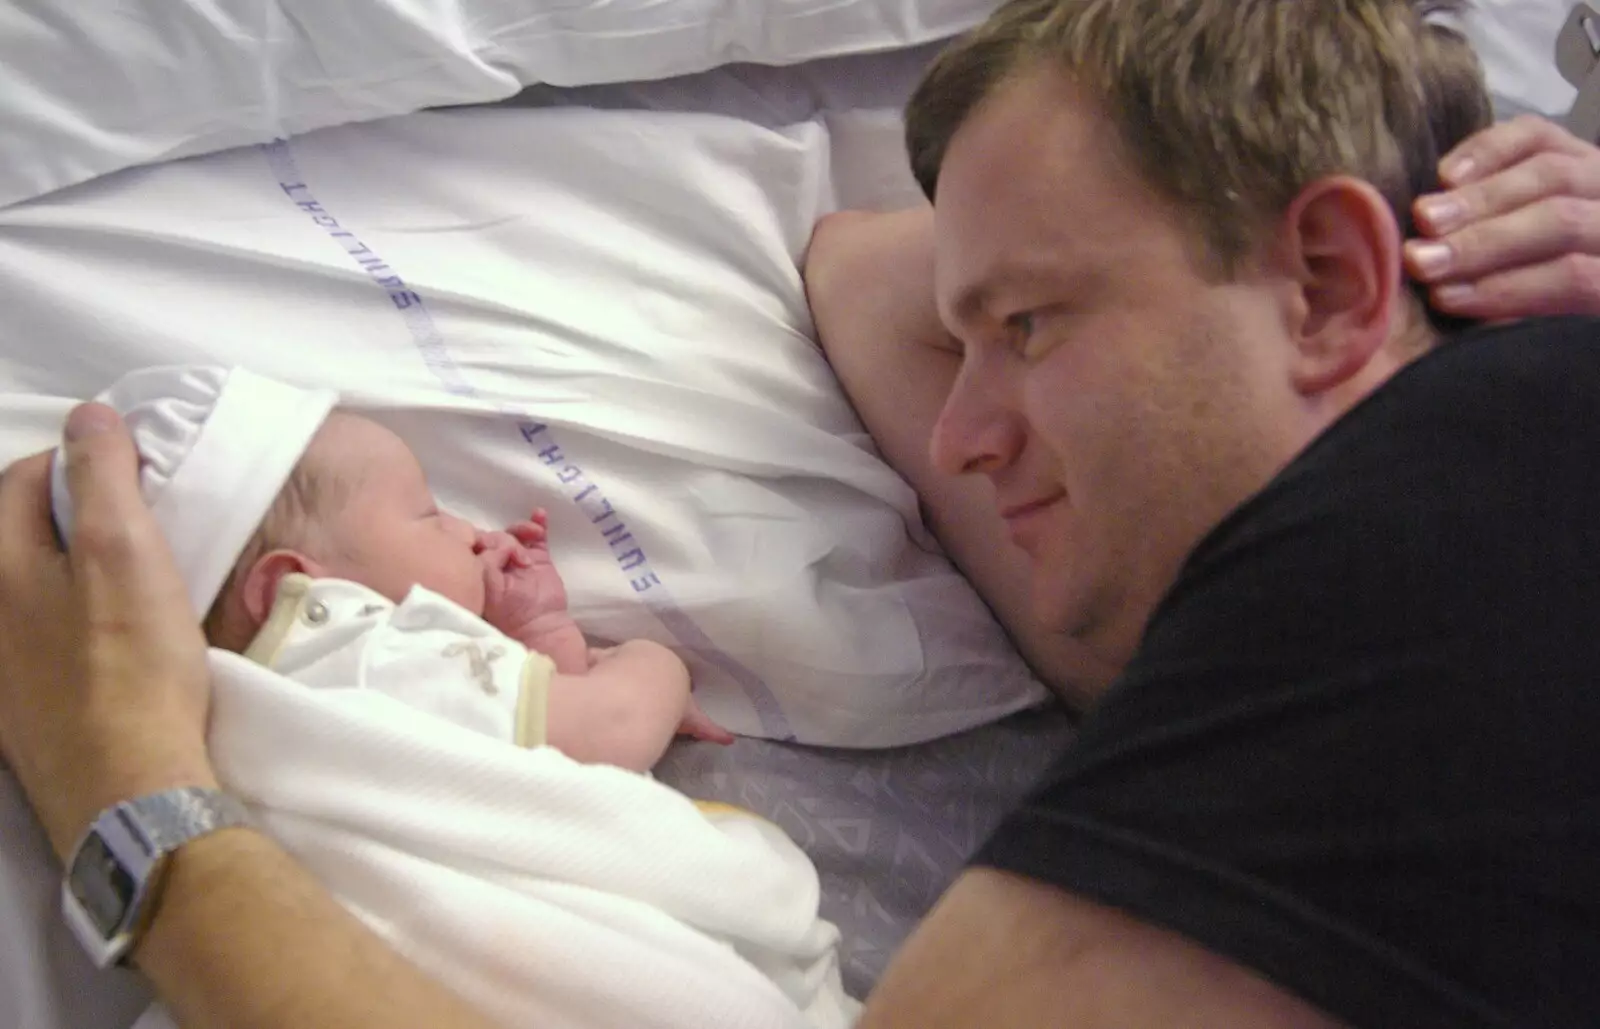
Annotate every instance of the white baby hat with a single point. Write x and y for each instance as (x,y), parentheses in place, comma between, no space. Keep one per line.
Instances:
(216,446)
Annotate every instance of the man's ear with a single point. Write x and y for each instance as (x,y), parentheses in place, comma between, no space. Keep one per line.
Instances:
(260,587)
(1344,243)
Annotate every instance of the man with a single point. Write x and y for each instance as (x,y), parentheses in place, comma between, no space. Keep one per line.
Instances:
(1350,752)
(1174,877)
(899,363)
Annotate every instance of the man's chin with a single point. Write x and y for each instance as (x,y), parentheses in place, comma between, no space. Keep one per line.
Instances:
(1057,600)
(1065,606)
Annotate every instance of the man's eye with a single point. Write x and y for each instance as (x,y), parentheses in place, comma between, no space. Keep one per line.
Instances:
(1019,327)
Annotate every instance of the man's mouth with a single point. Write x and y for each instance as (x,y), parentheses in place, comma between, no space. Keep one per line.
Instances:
(1024,520)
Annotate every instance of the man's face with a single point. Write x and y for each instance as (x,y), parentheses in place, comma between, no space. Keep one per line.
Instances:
(1119,401)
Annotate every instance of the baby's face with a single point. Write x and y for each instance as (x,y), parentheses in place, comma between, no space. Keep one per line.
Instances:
(386,531)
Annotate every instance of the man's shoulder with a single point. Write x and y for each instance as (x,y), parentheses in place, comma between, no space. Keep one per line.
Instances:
(1474,471)
(1541,368)
(1566,337)
(1500,400)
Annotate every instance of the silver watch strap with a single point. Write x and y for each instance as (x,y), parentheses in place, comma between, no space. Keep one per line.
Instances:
(174,817)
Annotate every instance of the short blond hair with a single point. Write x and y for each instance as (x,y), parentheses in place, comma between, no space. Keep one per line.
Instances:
(1229,108)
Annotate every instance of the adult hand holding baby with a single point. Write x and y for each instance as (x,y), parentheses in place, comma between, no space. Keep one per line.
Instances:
(104,689)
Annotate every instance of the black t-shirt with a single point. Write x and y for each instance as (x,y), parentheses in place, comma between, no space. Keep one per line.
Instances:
(1359,748)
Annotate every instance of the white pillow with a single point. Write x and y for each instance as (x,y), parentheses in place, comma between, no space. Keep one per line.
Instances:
(595,312)
(87,88)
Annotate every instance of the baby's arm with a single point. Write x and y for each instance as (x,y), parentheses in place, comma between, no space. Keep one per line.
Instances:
(558,638)
(624,711)
(619,707)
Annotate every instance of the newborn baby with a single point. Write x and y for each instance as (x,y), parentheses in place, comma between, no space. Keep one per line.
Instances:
(354,569)
(357,509)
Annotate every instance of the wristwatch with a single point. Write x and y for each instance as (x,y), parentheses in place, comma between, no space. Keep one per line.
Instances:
(115,874)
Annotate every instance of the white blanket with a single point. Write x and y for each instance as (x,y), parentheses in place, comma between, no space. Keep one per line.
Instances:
(546,892)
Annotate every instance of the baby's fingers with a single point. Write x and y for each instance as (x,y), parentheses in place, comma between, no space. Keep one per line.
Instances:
(529,534)
(698,725)
(494,584)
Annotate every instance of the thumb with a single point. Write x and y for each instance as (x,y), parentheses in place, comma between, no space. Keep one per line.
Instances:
(113,530)
(121,560)
(102,469)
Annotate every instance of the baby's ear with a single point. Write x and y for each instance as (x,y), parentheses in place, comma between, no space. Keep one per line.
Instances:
(259,590)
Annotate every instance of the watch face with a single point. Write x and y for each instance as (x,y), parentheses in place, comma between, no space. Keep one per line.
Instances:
(101,885)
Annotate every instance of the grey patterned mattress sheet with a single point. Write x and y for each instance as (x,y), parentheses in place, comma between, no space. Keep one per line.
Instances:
(888,829)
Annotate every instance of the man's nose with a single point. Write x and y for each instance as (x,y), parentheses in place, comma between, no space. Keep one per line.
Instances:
(979,431)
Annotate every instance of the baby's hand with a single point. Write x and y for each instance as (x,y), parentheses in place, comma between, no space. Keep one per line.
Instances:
(522,586)
(533,532)
(698,725)
(499,551)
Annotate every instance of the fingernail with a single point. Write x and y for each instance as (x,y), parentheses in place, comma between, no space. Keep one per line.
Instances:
(1453,295)
(1460,170)
(1431,259)
(1443,213)
(89,420)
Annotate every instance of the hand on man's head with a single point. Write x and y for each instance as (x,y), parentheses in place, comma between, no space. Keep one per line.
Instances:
(1517,234)
(105,689)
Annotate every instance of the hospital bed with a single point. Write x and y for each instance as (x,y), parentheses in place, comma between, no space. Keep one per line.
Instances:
(556,246)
